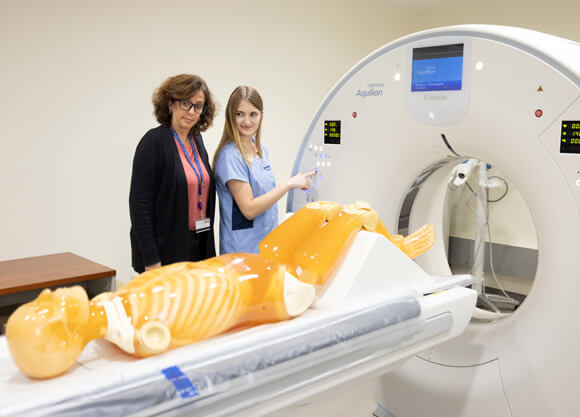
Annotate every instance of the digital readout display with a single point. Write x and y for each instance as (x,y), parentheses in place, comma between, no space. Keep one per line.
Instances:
(332,132)
(437,68)
(570,137)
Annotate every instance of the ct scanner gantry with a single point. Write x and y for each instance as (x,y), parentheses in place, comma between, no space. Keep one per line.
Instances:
(395,126)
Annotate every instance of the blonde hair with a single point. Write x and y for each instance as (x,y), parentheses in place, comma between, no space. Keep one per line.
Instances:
(231,133)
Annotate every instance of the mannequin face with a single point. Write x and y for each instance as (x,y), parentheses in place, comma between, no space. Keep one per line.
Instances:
(47,335)
(248,119)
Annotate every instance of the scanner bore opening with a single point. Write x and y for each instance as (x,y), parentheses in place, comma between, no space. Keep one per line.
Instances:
(477,229)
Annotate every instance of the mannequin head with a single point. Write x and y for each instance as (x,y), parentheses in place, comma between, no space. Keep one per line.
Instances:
(47,335)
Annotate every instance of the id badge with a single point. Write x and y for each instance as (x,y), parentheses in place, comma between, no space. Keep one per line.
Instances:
(202,225)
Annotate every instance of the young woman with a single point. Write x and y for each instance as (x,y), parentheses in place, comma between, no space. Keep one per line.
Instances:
(245,183)
(172,198)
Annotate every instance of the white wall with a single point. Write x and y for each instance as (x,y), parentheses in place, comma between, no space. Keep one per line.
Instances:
(510,220)
(76,79)
(557,17)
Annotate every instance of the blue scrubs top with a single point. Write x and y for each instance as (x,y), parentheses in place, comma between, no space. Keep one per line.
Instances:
(238,234)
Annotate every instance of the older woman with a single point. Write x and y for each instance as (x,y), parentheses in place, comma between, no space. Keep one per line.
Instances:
(172,197)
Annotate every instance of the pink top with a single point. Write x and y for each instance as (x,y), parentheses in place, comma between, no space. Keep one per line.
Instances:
(195,213)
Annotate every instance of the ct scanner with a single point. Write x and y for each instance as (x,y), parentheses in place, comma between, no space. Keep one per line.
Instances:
(389,331)
(395,125)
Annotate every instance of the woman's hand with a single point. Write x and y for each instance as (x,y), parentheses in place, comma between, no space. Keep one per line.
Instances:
(251,206)
(301,181)
(154,266)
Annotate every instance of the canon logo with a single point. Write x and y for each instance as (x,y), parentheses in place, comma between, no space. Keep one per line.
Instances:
(435,98)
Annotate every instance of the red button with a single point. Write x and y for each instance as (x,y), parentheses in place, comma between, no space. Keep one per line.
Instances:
(539,113)
(354,114)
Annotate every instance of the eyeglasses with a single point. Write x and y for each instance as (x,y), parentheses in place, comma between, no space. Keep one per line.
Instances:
(186,105)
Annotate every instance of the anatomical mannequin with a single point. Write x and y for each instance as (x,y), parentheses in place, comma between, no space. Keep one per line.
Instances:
(327,230)
(186,302)
(159,310)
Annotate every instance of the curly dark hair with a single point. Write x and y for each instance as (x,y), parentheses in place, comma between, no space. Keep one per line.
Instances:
(183,86)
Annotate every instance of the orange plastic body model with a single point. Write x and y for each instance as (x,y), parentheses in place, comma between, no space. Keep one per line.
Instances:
(316,259)
(413,245)
(282,243)
(185,302)
(159,310)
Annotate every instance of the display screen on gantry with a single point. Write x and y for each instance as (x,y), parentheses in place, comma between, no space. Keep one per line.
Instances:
(437,68)
(570,136)
(332,132)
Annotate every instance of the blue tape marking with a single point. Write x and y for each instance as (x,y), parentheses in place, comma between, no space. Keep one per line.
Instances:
(181,382)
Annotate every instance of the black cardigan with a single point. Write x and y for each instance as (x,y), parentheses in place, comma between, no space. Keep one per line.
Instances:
(158,202)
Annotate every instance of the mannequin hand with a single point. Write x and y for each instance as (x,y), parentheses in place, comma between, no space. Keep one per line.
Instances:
(301,181)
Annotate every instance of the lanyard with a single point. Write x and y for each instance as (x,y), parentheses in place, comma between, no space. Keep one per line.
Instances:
(199,175)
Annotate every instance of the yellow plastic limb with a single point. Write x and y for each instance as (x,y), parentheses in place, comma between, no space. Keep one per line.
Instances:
(282,242)
(318,257)
(315,256)
(413,245)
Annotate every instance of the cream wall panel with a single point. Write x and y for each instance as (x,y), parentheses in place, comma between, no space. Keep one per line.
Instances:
(76,79)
